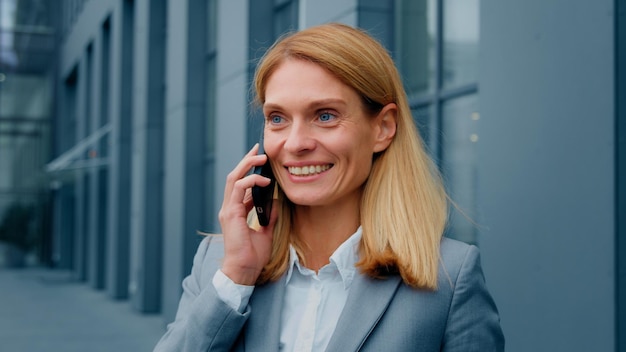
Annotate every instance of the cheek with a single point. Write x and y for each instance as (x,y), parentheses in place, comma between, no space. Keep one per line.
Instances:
(358,155)
(363,153)
(361,143)
(270,145)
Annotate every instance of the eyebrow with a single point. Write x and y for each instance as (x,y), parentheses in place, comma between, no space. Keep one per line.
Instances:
(316,104)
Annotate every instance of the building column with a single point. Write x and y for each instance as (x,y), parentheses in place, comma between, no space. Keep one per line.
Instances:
(147,156)
(96,218)
(121,27)
(81,182)
(184,144)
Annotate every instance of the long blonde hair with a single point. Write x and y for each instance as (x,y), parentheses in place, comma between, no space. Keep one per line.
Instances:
(404,206)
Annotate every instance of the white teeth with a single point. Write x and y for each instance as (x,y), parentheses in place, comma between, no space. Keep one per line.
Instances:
(308,170)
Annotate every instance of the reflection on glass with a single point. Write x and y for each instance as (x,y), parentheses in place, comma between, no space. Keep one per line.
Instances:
(415,44)
(460,41)
(25,105)
(459,139)
(25,101)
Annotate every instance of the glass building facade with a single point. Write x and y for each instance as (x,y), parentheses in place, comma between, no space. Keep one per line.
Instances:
(27,101)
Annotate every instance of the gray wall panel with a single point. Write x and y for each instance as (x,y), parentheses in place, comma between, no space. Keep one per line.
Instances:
(546,171)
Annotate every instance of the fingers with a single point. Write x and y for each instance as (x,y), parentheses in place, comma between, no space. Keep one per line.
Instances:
(246,249)
(247,197)
(237,192)
(250,160)
(241,191)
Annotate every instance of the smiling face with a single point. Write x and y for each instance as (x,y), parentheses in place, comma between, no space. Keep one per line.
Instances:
(318,136)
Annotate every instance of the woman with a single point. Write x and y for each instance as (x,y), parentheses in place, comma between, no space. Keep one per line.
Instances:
(353,257)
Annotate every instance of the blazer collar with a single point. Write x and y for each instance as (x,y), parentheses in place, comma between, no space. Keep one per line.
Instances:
(262,331)
(367,302)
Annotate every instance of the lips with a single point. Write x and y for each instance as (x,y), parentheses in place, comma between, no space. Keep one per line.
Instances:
(308,170)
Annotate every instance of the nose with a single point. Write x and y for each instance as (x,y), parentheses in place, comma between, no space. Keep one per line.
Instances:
(299,138)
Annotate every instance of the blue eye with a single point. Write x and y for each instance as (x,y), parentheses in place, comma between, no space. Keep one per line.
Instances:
(326,116)
(276,119)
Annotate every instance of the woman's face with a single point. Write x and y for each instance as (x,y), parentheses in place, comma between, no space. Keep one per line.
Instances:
(317,135)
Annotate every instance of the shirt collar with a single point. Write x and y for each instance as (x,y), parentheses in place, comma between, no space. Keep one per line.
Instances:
(344,258)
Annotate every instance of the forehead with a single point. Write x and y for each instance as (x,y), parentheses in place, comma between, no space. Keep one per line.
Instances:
(304,80)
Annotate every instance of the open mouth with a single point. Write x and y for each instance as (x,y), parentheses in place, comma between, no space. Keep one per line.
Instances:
(308,170)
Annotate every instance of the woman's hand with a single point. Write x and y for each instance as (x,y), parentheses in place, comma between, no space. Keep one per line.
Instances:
(246,251)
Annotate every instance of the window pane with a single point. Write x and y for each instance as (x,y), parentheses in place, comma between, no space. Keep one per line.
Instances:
(415,44)
(211,23)
(285,18)
(210,82)
(460,136)
(460,42)
(210,79)
(422,117)
(210,101)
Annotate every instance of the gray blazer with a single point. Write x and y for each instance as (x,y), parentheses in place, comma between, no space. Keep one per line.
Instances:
(379,315)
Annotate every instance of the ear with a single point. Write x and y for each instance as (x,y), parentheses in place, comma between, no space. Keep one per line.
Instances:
(385,127)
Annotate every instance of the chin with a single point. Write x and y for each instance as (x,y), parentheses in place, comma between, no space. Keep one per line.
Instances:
(305,199)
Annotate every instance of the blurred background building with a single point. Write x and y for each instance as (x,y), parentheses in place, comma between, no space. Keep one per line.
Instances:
(119,120)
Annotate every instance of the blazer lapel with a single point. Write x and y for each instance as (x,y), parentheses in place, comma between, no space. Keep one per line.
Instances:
(262,330)
(367,302)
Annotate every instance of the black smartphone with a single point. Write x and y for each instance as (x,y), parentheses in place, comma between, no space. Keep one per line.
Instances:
(262,197)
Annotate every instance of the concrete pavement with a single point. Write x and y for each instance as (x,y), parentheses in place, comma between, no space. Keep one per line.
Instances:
(45,310)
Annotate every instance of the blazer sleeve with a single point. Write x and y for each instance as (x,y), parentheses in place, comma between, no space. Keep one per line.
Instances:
(203,321)
(473,320)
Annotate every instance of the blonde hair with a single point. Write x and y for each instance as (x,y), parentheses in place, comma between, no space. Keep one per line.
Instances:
(404,207)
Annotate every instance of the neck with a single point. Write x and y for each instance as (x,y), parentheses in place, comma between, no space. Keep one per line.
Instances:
(323,229)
